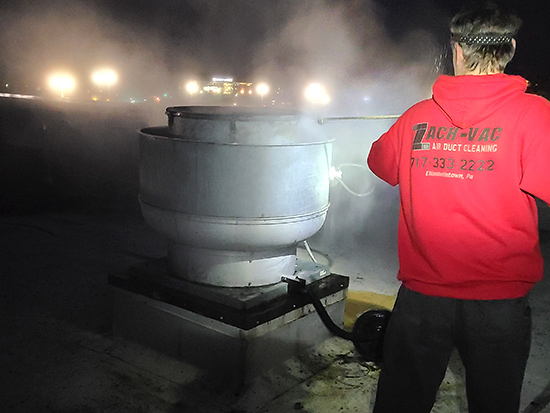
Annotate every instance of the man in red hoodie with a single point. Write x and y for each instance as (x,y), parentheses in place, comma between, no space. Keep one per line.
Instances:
(469,162)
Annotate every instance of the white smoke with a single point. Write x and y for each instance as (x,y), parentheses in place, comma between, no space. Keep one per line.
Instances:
(155,45)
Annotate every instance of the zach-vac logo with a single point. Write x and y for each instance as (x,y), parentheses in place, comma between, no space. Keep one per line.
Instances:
(454,152)
(443,138)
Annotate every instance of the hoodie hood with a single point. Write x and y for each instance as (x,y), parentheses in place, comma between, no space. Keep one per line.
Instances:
(468,100)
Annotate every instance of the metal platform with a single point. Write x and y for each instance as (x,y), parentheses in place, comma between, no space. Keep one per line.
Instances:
(233,336)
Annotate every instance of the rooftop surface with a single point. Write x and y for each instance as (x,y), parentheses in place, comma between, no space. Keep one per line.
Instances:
(69,217)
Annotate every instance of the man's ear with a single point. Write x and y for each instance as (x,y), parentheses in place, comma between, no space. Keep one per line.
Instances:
(458,59)
(459,53)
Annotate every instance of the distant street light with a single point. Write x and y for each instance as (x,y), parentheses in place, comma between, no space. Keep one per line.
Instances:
(192,87)
(62,82)
(317,94)
(262,89)
(105,77)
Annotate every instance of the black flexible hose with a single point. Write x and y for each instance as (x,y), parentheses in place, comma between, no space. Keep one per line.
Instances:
(327,321)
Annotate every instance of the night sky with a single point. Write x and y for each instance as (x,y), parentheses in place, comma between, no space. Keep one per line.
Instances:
(158,44)
(532,59)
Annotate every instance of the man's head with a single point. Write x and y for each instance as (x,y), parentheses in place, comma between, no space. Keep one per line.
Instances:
(483,40)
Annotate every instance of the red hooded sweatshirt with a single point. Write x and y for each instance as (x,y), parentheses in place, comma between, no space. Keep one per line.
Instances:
(468,162)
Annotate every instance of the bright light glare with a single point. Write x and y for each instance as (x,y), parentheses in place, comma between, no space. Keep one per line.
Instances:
(317,94)
(262,89)
(107,77)
(62,82)
(192,87)
(334,173)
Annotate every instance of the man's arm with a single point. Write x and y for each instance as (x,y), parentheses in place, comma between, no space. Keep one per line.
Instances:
(383,159)
(535,178)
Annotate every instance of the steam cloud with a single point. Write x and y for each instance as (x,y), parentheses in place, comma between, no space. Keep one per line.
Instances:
(156,45)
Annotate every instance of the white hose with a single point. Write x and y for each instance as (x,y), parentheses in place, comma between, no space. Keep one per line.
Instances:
(310,253)
(347,188)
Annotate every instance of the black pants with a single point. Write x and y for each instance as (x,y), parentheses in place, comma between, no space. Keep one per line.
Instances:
(493,338)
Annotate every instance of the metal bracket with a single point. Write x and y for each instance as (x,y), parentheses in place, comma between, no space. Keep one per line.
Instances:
(296,285)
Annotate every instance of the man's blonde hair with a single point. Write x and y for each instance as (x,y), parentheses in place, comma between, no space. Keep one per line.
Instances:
(485,35)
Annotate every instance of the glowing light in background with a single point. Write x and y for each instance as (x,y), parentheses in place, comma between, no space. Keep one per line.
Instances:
(317,94)
(212,89)
(62,83)
(192,87)
(105,77)
(262,89)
